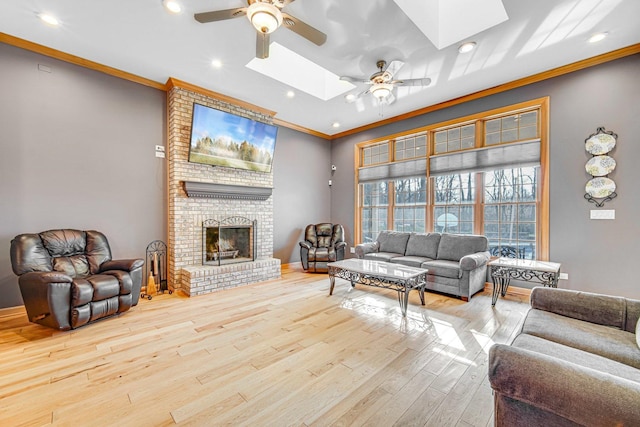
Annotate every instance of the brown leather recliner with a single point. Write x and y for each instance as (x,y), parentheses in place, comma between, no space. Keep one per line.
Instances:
(68,279)
(323,243)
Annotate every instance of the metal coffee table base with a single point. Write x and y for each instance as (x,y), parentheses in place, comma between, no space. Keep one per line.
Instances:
(402,286)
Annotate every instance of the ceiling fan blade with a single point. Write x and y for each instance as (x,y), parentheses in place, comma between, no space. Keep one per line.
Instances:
(304,30)
(220,15)
(262,45)
(286,2)
(393,68)
(413,82)
(390,99)
(354,79)
(352,99)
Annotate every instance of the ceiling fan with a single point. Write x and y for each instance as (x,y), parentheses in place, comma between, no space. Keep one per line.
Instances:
(266,16)
(382,83)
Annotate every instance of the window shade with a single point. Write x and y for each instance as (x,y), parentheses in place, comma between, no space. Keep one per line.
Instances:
(389,171)
(520,154)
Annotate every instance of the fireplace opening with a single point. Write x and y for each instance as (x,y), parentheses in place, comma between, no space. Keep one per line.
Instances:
(229,241)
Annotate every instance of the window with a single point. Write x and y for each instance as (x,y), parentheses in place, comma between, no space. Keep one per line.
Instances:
(516,127)
(410,148)
(376,154)
(453,139)
(409,206)
(482,174)
(375,204)
(510,218)
(454,199)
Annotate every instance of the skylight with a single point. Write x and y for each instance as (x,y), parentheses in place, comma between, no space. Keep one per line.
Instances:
(446,22)
(296,71)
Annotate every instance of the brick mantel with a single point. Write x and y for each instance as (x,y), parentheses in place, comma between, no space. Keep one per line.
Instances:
(220,192)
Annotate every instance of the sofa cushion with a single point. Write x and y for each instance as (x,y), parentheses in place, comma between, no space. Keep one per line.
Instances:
(411,261)
(602,340)
(73,266)
(423,245)
(393,241)
(443,268)
(454,246)
(574,355)
(382,256)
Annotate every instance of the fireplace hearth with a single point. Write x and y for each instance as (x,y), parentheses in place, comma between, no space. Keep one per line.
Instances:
(229,241)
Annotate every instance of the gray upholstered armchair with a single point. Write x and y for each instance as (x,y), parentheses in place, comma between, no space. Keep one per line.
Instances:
(68,279)
(323,243)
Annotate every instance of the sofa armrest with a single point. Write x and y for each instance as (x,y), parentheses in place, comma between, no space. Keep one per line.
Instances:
(305,245)
(47,298)
(340,245)
(366,248)
(473,261)
(121,264)
(583,395)
(44,277)
(589,307)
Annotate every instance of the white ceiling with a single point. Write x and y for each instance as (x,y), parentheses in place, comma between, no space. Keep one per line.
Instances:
(142,38)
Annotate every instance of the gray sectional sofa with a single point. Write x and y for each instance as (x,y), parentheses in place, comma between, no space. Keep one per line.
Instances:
(576,362)
(457,263)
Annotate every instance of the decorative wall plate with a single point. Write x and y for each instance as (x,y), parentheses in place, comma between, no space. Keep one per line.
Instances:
(600,187)
(600,143)
(600,165)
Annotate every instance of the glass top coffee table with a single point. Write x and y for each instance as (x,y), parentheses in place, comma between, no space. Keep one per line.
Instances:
(380,274)
(528,270)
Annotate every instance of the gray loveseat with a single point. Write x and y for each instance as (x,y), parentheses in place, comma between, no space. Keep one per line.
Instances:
(576,362)
(457,263)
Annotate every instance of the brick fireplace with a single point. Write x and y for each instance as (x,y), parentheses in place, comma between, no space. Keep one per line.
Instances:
(201,195)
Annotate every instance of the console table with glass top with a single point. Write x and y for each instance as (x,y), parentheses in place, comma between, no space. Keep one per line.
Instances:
(380,274)
(505,269)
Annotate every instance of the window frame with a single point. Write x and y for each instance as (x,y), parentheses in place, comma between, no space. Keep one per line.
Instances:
(542,199)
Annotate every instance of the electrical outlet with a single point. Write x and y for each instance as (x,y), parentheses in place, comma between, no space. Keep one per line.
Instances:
(352,250)
(564,276)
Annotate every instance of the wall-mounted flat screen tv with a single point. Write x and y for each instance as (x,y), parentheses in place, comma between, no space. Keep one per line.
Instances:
(219,138)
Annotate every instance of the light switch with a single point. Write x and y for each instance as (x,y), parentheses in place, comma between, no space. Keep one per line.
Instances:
(603,214)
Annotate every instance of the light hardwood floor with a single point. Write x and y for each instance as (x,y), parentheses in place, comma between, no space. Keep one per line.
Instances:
(277,353)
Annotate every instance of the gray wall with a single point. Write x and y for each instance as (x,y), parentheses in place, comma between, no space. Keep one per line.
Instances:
(598,255)
(77,151)
(301,195)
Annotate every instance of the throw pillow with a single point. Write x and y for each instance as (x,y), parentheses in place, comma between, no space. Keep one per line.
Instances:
(638,333)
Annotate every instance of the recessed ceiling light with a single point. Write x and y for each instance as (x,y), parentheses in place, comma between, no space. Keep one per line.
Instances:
(467,47)
(350,97)
(49,19)
(216,63)
(597,37)
(335,124)
(290,94)
(172,6)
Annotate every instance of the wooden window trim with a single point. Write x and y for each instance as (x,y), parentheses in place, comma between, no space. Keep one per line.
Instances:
(542,204)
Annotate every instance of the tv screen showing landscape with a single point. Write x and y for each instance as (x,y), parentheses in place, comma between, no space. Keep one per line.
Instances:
(224,139)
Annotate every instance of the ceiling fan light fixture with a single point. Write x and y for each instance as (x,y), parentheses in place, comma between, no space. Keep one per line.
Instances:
(381,90)
(265,17)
